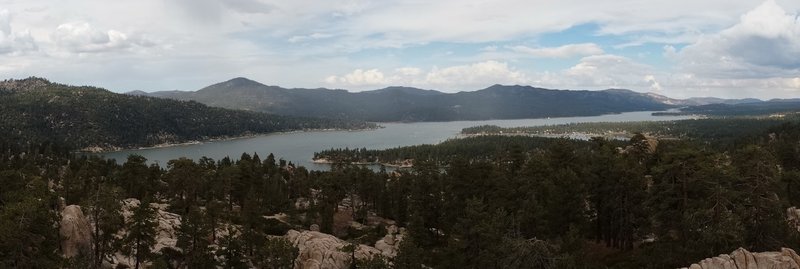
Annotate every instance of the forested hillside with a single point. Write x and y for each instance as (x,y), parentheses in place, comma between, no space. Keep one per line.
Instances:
(756,108)
(516,202)
(411,104)
(35,110)
(720,132)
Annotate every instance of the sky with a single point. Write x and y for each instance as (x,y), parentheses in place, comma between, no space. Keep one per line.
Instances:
(678,48)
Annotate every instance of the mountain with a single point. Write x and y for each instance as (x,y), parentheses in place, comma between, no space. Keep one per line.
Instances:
(774,106)
(699,101)
(715,100)
(35,110)
(412,104)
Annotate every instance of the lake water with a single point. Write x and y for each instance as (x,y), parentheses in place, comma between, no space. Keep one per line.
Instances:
(299,147)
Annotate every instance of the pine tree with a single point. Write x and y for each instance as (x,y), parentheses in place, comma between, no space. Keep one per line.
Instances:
(761,207)
(193,239)
(141,233)
(276,253)
(105,210)
(231,251)
(133,177)
(409,255)
(28,231)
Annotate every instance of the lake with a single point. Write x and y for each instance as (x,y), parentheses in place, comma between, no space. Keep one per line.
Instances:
(299,147)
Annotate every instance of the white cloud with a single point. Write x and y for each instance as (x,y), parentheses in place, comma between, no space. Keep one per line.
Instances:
(610,71)
(408,71)
(654,85)
(593,73)
(304,38)
(765,43)
(565,51)
(477,74)
(5,21)
(185,44)
(83,38)
(12,42)
(249,6)
(458,77)
(360,77)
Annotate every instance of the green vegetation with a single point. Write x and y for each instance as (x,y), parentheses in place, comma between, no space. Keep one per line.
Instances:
(491,201)
(717,131)
(475,148)
(411,104)
(745,109)
(526,201)
(35,111)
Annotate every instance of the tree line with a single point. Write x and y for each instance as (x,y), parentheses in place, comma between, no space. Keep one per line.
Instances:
(35,111)
(525,204)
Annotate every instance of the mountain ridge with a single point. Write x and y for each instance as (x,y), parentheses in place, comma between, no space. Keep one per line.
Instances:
(35,110)
(399,103)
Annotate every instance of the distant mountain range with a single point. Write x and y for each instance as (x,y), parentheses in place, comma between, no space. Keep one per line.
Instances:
(35,110)
(412,104)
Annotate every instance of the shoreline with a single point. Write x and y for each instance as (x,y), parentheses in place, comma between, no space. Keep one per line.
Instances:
(328,162)
(573,135)
(101,150)
(112,149)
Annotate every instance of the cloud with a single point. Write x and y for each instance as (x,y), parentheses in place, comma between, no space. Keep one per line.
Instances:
(764,43)
(249,6)
(602,72)
(565,51)
(360,77)
(606,67)
(655,86)
(491,48)
(483,73)
(408,71)
(458,77)
(304,38)
(5,21)
(12,42)
(183,44)
(83,38)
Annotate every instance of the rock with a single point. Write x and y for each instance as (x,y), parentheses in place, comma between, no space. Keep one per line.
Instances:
(793,216)
(386,249)
(357,226)
(168,223)
(302,203)
(318,250)
(389,239)
(76,232)
(282,217)
(743,259)
(392,229)
(390,243)
(62,203)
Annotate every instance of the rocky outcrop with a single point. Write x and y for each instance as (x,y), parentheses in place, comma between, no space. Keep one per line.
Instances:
(793,216)
(168,223)
(75,231)
(324,251)
(390,244)
(743,259)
